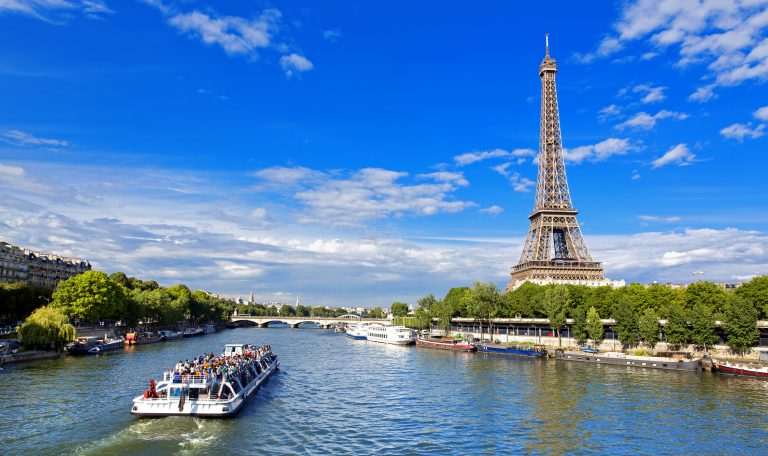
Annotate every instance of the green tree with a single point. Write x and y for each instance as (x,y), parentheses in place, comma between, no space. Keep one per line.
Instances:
(579,315)
(626,323)
(702,325)
(484,302)
(122,279)
(399,309)
(181,298)
(456,300)
(648,327)
(556,302)
(756,291)
(741,324)
(90,296)
(594,326)
(287,311)
(376,312)
(46,327)
(522,302)
(707,294)
(676,330)
(443,312)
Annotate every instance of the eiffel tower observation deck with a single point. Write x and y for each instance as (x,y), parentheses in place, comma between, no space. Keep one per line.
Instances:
(554,250)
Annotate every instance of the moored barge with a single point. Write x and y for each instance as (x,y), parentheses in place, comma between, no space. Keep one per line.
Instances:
(514,350)
(209,386)
(621,359)
(446,344)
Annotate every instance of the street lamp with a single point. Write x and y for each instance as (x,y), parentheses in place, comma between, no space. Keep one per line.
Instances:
(47,300)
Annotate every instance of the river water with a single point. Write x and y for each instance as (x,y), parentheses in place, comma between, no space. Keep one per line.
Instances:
(334,395)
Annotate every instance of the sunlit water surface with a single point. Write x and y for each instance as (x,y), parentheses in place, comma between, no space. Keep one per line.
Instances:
(341,396)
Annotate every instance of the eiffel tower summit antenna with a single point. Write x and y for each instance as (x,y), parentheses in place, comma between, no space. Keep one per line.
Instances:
(555,250)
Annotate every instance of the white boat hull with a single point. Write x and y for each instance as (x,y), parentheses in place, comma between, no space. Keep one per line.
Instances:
(169,406)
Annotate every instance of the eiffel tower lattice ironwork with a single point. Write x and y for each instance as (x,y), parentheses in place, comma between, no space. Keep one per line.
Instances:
(554,250)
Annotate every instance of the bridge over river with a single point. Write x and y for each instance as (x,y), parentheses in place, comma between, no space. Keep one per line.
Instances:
(294,322)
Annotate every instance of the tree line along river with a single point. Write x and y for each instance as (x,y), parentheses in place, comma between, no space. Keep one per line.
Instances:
(334,395)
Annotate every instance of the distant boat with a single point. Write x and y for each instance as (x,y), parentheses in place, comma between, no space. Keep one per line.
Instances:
(589,349)
(193,332)
(514,350)
(142,338)
(107,344)
(209,329)
(358,332)
(739,369)
(621,359)
(81,346)
(446,344)
(390,334)
(170,335)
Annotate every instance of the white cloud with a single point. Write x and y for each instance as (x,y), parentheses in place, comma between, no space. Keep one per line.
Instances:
(234,34)
(608,112)
(331,35)
(446,176)
(20,138)
(761,113)
(474,157)
(351,198)
(600,151)
(55,11)
(493,210)
(645,121)
(651,94)
(739,131)
(607,46)
(678,154)
(519,183)
(295,62)
(653,218)
(728,37)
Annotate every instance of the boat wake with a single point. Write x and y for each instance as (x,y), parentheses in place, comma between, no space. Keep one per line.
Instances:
(164,434)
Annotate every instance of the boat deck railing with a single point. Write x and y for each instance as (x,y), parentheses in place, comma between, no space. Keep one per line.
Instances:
(186,378)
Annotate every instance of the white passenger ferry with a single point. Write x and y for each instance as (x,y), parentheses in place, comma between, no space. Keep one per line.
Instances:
(209,386)
(358,331)
(390,334)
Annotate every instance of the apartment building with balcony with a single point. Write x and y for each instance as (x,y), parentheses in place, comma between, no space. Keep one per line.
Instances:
(18,264)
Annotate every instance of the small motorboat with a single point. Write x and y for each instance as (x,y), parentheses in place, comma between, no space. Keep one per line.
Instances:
(193,332)
(739,369)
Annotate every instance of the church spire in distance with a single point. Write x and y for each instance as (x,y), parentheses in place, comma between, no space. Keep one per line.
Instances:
(554,250)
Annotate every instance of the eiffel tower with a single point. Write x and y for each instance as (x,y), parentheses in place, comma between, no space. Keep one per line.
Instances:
(555,250)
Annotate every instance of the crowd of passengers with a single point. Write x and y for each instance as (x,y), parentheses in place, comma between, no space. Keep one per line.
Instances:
(222,367)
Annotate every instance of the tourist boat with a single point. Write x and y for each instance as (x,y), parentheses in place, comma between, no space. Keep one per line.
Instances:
(167,335)
(446,343)
(209,329)
(535,351)
(107,344)
(209,394)
(358,332)
(390,334)
(193,332)
(81,345)
(739,369)
(622,359)
(143,338)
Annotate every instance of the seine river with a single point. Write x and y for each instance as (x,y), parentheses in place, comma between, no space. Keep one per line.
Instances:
(334,395)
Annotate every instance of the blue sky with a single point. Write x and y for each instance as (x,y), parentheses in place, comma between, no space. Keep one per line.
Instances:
(358,153)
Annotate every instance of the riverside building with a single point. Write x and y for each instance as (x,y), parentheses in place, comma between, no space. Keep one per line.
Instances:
(18,264)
